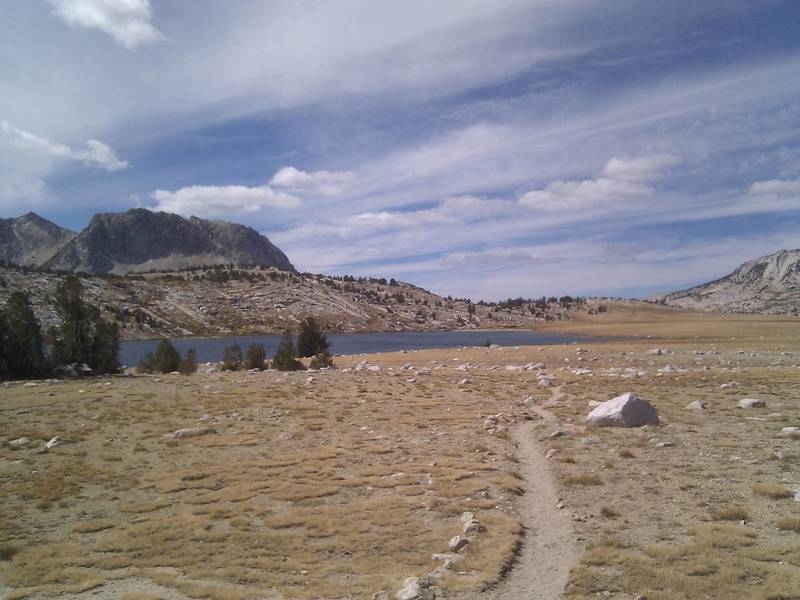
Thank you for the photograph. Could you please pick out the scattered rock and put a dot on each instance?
(696, 405)
(626, 410)
(53, 442)
(189, 432)
(458, 543)
(750, 403)
(792, 432)
(472, 526)
(556, 434)
(19, 442)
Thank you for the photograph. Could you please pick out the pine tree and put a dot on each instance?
(284, 355)
(23, 349)
(166, 358)
(104, 357)
(232, 358)
(311, 340)
(255, 356)
(74, 343)
(189, 363)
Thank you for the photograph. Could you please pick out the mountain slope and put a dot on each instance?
(30, 240)
(141, 240)
(766, 285)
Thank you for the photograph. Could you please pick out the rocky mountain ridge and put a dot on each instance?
(30, 240)
(134, 241)
(766, 285)
(141, 240)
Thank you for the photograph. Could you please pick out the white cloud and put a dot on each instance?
(325, 183)
(211, 200)
(622, 182)
(645, 168)
(775, 187)
(96, 154)
(127, 21)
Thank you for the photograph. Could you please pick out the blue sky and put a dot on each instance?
(477, 148)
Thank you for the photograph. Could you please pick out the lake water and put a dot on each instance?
(210, 349)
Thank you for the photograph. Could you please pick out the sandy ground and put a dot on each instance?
(342, 484)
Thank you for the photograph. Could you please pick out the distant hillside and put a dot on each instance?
(219, 301)
(30, 240)
(766, 285)
(141, 240)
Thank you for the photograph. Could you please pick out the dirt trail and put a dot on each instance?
(549, 549)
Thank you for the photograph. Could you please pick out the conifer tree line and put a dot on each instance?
(83, 337)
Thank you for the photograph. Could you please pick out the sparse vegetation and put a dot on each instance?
(729, 513)
(583, 479)
(311, 341)
(284, 359)
(770, 490)
(232, 358)
(789, 524)
(255, 357)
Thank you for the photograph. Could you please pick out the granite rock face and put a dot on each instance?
(30, 240)
(766, 285)
(141, 240)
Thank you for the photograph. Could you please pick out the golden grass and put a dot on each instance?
(729, 513)
(773, 491)
(789, 524)
(583, 479)
(356, 480)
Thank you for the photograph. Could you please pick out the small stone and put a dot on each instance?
(189, 432)
(751, 403)
(697, 405)
(458, 543)
(472, 526)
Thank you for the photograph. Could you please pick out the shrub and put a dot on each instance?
(311, 340)
(583, 479)
(255, 356)
(189, 363)
(771, 490)
(733, 513)
(321, 360)
(166, 358)
(284, 355)
(232, 358)
(789, 524)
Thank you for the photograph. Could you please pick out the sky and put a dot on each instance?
(484, 149)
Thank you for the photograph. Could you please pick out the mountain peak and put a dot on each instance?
(769, 284)
(31, 240)
(141, 240)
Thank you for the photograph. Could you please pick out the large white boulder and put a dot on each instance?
(626, 410)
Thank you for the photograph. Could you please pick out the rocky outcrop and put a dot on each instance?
(141, 240)
(626, 410)
(766, 285)
(30, 240)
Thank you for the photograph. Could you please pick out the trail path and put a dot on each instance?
(549, 549)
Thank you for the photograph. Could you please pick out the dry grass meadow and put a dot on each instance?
(345, 484)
